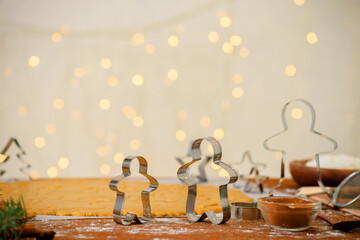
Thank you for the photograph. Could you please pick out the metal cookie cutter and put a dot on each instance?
(145, 194)
(283, 152)
(201, 178)
(245, 211)
(192, 186)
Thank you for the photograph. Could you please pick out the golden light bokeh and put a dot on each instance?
(225, 105)
(138, 80)
(63, 162)
(137, 39)
(182, 115)
(39, 142)
(135, 144)
(104, 104)
(173, 41)
(225, 21)
(237, 92)
(244, 52)
(105, 169)
(58, 103)
(65, 29)
(33, 61)
(79, 72)
(34, 174)
(219, 133)
(296, 113)
(312, 38)
(52, 172)
(228, 48)
(138, 121)
(235, 40)
(101, 151)
(74, 82)
(22, 110)
(237, 78)
(180, 135)
(8, 71)
(299, 2)
(50, 128)
(149, 48)
(56, 37)
(213, 37)
(173, 74)
(112, 81)
(3, 158)
(290, 70)
(180, 28)
(105, 63)
(119, 157)
(205, 121)
(129, 112)
(76, 114)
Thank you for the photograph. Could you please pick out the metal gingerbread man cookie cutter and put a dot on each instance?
(145, 194)
(283, 152)
(192, 186)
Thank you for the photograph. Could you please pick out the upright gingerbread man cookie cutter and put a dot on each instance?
(145, 194)
(192, 186)
(283, 152)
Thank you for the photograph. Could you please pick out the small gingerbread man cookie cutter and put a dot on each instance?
(283, 152)
(192, 186)
(145, 194)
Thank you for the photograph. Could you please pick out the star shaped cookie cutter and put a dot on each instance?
(145, 193)
(283, 152)
(202, 173)
(192, 186)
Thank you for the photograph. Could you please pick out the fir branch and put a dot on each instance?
(13, 217)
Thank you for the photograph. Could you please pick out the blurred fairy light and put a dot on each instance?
(105, 63)
(138, 121)
(101, 151)
(299, 2)
(22, 110)
(213, 37)
(219, 133)
(296, 113)
(225, 21)
(149, 48)
(173, 74)
(237, 78)
(226, 105)
(205, 121)
(111, 138)
(34, 174)
(244, 52)
(58, 103)
(173, 41)
(138, 80)
(39, 142)
(118, 157)
(79, 72)
(311, 38)
(129, 112)
(135, 144)
(76, 114)
(235, 40)
(180, 28)
(228, 48)
(237, 92)
(8, 71)
(100, 132)
(180, 135)
(52, 172)
(50, 128)
(63, 162)
(74, 82)
(56, 37)
(65, 29)
(105, 169)
(290, 70)
(137, 39)
(104, 104)
(33, 61)
(112, 81)
(182, 115)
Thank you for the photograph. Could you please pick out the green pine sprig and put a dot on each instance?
(13, 217)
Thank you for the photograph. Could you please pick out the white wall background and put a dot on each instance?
(327, 75)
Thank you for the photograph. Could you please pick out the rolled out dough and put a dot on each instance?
(92, 197)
